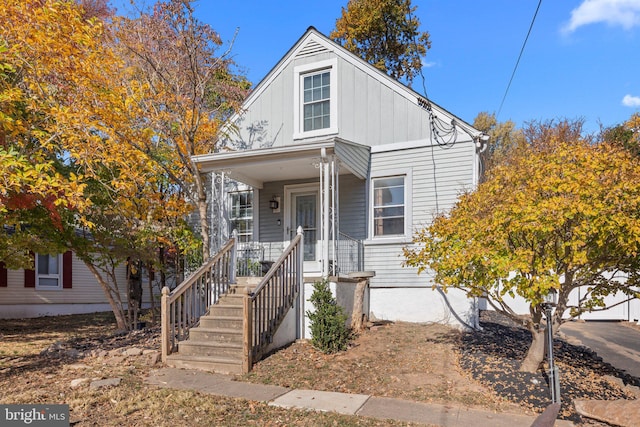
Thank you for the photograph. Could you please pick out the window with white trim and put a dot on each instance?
(315, 97)
(48, 271)
(241, 214)
(316, 101)
(389, 206)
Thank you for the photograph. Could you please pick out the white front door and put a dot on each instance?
(303, 210)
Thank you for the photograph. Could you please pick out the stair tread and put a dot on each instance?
(218, 330)
(209, 344)
(218, 317)
(212, 359)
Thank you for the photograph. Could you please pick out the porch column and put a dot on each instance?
(335, 229)
(324, 210)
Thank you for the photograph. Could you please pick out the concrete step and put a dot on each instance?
(210, 349)
(224, 322)
(231, 299)
(220, 335)
(245, 281)
(220, 365)
(225, 310)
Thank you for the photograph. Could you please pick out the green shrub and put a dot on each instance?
(329, 332)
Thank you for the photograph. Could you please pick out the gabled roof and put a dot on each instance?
(313, 42)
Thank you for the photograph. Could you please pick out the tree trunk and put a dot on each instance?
(116, 306)
(357, 323)
(151, 299)
(535, 355)
(201, 200)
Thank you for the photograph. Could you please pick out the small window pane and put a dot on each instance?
(47, 264)
(48, 281)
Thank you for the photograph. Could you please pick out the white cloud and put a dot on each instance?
(631, 101)
(624, 13)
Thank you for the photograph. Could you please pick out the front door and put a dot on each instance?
(303, 211)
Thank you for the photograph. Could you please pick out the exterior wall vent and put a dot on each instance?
(311, 48)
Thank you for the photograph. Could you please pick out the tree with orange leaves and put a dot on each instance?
(561, 213)
(180, 90)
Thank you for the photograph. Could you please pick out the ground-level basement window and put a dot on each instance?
(389, 206)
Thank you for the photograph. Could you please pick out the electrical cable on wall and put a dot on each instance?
(443, 133)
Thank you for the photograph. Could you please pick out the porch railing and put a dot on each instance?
(254, 256)
(183, 307)
(266, 307)
(350, 254)
(251, 257)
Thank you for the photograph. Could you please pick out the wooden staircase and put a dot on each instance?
(216, 344)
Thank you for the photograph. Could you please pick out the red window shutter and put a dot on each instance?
(67, 270)
(3, 276)
(30, 275)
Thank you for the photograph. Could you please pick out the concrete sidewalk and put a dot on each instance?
(343, 403)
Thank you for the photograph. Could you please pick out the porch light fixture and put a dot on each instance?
(550, 301)
(274, 203)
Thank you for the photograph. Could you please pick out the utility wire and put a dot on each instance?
(518, 61)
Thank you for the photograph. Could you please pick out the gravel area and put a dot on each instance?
(493, 355)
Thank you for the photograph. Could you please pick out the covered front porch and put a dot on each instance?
(319, 186)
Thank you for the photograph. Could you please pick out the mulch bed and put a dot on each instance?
(492, 356)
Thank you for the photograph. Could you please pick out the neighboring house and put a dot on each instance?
(358, 160)
(59, 284)
(620, 308)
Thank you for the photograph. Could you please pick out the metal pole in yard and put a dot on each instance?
(554, 377)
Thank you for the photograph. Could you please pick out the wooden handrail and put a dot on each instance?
(182, 308)
(266, 307)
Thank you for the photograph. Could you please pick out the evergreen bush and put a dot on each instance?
(329, 332)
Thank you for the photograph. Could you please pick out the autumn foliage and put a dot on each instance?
(384, 33)
(559, 215)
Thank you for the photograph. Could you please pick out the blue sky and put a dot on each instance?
(582, 59)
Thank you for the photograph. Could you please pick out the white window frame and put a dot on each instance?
(250, 235)
(406, 237)
(299, 73)
(58, 276)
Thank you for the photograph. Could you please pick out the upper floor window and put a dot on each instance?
(241, 214)
(316, 103)
(315, 96)
(48, 271)
(389, 206)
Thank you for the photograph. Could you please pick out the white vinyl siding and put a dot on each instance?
(86, 289)
(438, 176)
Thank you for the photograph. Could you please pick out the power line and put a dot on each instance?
(519, 56)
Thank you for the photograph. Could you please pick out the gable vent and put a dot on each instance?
(311, 48)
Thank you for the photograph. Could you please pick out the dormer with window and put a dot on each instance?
(315, 97)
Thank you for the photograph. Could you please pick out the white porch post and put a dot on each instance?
(335, 229)
(324, 210)
(300, 283)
